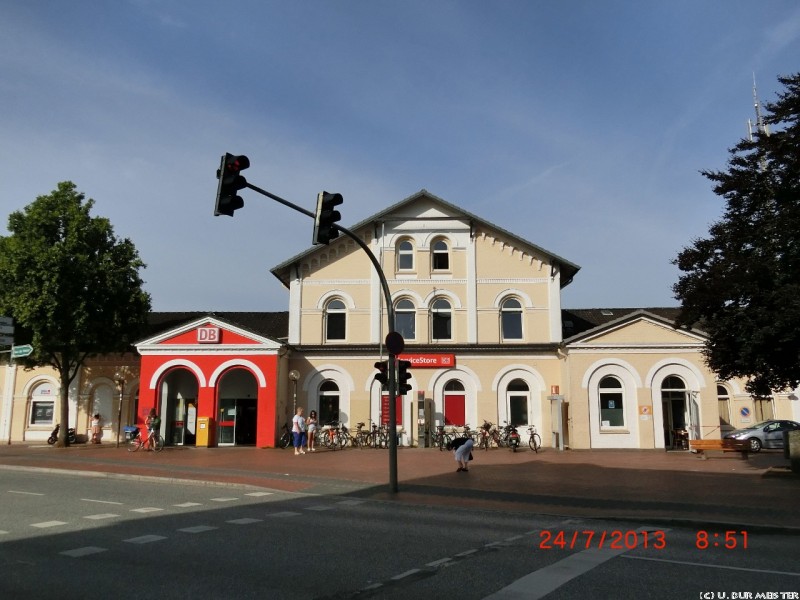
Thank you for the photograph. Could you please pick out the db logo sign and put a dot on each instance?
(208, 335)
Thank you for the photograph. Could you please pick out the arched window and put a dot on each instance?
(43, 403)
(724, 406)
(518, 394)
(612, 413)
(405, 256)
(328, 402)
(405, 317)
(335, 320)
(440, 257)
(511, 319)
(441, 320)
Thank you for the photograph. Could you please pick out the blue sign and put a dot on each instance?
(744, 411)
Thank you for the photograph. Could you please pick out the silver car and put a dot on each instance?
(767, 434)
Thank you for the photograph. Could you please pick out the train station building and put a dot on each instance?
(480, 311)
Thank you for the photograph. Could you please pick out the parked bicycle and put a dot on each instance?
(441, 438)
(154, 441)
(286, 437)
(534, 441)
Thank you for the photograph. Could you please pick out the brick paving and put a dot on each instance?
(671, 487)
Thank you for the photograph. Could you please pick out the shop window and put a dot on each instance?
(441, 320)
(405, 256)
(335, 320)
(405, 317)
(511, 319)
(518, 394)
(612, 413)
(440, 258)
(328, 402)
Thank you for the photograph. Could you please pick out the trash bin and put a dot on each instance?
(205, 432)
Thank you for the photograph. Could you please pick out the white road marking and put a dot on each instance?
(466, 553)
(540, 583)
(406, 574)
(259, 494)
(45, 524)
(286, 513)
(245, 521)
(441, 561)
(198, 529)
(222, 499)
(101, 501)
(25, 493)
(710, 566)
(188, 504)
(146, 509)
(85, 551)
(145, 539)
(101, 516)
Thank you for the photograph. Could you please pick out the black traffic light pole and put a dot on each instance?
(390, 314)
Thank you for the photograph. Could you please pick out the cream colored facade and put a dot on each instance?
(467, 292)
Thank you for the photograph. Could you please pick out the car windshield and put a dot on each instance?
(758, 425)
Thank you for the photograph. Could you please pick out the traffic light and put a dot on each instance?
(403, 376)
(230, 182)
(383, 372)
(325, 218)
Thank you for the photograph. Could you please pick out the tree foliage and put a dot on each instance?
(70, 284)
(742, 282)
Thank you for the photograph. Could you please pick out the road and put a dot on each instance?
(63, 536)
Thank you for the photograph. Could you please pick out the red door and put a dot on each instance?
(455, 410)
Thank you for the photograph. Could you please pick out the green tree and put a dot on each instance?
(71, 284)
(742, 283)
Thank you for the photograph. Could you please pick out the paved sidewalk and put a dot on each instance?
(668, 487)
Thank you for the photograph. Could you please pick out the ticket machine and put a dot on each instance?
(425, 425)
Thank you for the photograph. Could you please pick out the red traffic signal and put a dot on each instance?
(230, 182)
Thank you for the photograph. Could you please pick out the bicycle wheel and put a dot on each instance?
(135, 443)
(158, 443)
(286, 440)
(535, 442)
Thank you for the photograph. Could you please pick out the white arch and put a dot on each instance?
(238, 362)
(526, 299)
(691, 373)
(472, 385)
(348, 299)
(536, 386)
(405, 293)
(439, 293)
(619, 437)
(178, 362)
(330, 371)
(38, 380)
(590, 373)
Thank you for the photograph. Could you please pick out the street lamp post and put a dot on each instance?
(121, 385)
(294, 375)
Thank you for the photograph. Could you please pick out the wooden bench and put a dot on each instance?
(727, 445)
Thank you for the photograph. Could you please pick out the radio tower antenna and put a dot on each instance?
(762, 127)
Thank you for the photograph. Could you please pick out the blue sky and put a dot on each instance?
(581, 126)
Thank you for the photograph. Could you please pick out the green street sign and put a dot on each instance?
(21, 351)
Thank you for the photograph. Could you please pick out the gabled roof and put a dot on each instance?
(568, 269)
(580, 323)
(272, 325)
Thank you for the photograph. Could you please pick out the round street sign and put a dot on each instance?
(395, 342)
